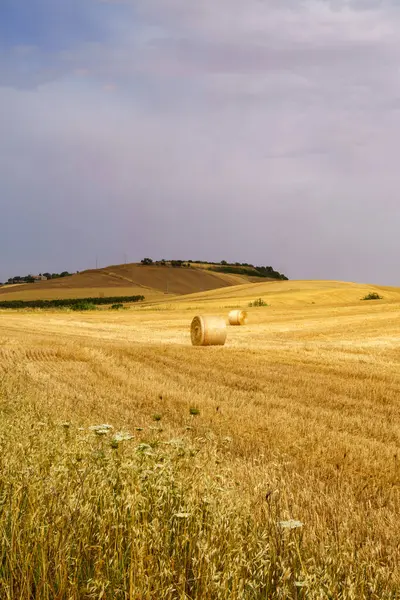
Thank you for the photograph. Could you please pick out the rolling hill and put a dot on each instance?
(152, 281)
(290, 294)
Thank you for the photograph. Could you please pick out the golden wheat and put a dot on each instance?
(267, 468)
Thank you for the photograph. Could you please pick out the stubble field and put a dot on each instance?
(267, 468)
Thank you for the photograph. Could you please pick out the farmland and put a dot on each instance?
(266, 468)
(125, 280)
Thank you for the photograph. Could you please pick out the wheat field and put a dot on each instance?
(264, 469)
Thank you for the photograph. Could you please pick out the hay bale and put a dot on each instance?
(208, 331)
(237, 317)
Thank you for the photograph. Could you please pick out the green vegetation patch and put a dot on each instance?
(84, 306)
(74, 303)
(372, 296)
(258, 302)
(221, 267)
(264, 272)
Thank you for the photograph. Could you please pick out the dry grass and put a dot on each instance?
(291, 293)
(296, 417)
(151, 281)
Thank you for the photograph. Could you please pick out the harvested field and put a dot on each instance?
(151, 281)
(28, 292)
(266, 468)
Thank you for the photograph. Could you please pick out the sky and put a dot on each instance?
(260, 131)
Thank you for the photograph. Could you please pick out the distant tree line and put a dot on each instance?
(33, 278)
(68, 302)
(56, 275)
(251, 270)
(164, 263)
(223, 267)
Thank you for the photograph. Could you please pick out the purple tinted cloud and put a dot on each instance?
(261, 131)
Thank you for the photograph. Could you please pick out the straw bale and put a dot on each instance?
(237, 317)
(208, 331)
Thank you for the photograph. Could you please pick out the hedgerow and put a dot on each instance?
(68, 302)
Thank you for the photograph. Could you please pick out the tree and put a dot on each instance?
(146, 261)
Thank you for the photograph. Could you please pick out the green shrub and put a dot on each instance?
(372, 296)
(249, 270)
(69, 302)
(258, 302)
(84, 306)
(117, 306)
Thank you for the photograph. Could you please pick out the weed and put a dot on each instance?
(372, 296)
(84, 306)
(258, 302)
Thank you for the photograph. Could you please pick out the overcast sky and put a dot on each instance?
(263, 131)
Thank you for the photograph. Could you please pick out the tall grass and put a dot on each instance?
(200, 503)
(85, 516)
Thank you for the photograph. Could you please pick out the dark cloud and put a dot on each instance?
(237, 130)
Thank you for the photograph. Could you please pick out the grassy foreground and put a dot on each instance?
(267, 468)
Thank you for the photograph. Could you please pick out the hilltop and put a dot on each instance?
(153, 280)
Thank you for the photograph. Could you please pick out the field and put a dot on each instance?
(124, 280)
(264, 469)
(25, 294)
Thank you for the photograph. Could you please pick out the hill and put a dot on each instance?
(292, 293)
(152, 281)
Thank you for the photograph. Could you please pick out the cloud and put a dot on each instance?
(250, 130)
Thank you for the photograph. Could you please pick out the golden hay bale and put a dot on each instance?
(208, 331)
(237, 317)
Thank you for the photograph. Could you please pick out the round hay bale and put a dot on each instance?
(208, 331)
(237, 317)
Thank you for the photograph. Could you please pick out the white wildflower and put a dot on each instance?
(101, 429)
(290, 524)
(122, 436)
